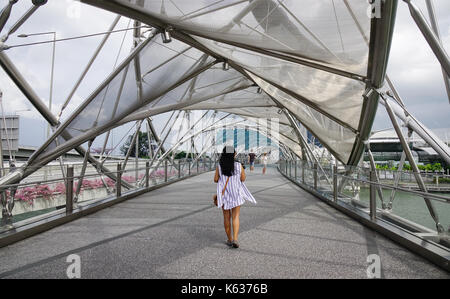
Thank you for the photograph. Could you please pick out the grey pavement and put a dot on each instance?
(176, 232)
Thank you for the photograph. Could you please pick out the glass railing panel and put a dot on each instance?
(31, 200)
(412, 207)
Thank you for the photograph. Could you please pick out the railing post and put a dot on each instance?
(69, 189)
(197, 166)
(303, 172)
(335, 184)
(119, 181)
(315, 176)
(189, 167)
(210, 164)
(179, 168)
(165, 171)
(147, 174)
(295, 170)
(6, 216)
(373, 197)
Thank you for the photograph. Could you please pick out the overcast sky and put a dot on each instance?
(413, 67)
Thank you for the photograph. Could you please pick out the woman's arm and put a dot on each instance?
(243, 176)
(216, 175)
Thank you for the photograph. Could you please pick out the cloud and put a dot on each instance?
(415, 70)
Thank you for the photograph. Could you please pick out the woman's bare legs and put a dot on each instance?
(264, 170)
(235, 215)
(227, 223)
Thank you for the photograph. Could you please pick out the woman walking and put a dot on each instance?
(231, 192)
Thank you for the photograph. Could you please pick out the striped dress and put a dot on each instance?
(236, 192)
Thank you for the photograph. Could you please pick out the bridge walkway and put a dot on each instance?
(176, 232)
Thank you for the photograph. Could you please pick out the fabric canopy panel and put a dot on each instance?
(212, 82)
(239, 99)
(338, 139)
(333, 95)
(259, 112)
(321, 30)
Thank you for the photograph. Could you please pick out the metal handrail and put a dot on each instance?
(439, 198)
(180, 169)
(285, 167)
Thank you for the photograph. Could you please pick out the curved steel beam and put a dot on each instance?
(382, 30)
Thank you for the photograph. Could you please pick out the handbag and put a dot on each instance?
(223, 192)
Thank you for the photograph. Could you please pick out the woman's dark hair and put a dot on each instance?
(227, 160)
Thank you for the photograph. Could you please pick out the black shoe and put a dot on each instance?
(235, 244)
(229, 243)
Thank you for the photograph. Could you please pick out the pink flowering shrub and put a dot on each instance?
(110, 182)
(27, 194)
(91, 184)
(43, 191)
(128, 178)
(160, 173)
(60, 188)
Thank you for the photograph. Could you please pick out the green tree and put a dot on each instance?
(180, 155)
(436, 167)
(143, 146)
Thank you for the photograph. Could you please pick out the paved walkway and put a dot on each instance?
(175, 232)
